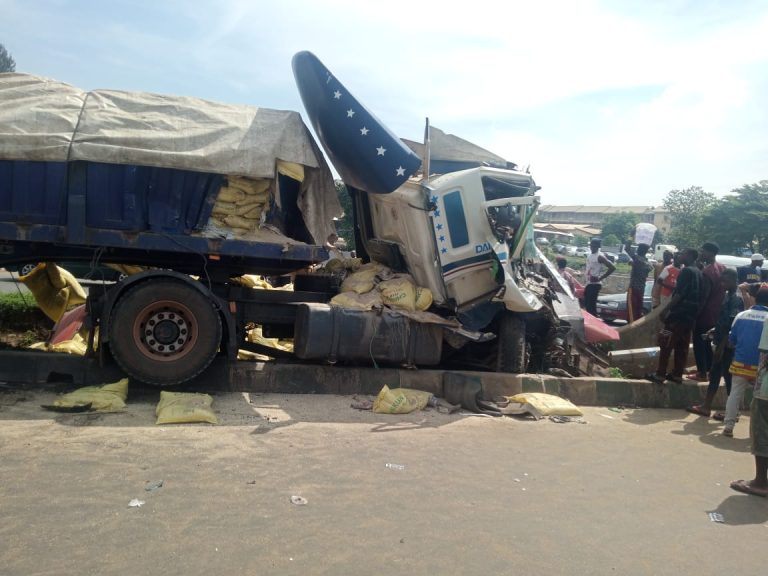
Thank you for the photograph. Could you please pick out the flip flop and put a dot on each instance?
(696, 409)
(745, 487)
(720, 416)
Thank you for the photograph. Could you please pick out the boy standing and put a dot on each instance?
(759, 427)
(745, 339)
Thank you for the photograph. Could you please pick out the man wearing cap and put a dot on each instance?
(754, 272)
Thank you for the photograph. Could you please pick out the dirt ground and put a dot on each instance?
(626, 493)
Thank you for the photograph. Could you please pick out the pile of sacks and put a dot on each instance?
(240, 204)
(373, 285)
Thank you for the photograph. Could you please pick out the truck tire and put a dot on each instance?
(512, 353)
(164, 332)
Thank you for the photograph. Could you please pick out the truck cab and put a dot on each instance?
(458, 234)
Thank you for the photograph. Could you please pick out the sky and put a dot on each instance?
(609, 102)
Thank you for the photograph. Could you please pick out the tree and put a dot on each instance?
(7, 63)
(620, 225)
(345, 227)
(581, 241)
(611, 240)
(686, 208)
(738, 221)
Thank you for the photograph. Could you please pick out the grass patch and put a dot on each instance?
(20, 312)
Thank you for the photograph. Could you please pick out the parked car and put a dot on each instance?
(623, 258)
(80, 270)
(570, 250)
(612, 307)
(611, 256)
(582, 251)
(558, 248)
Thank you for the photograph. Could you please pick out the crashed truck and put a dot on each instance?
(195, 195)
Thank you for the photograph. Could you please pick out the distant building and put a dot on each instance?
(584, 220)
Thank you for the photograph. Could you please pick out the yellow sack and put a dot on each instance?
(227, 194)
(361, 281)
(127, 269)
(400, 400)
(398, 293)
(240, 222)
(252, 187)
(355, 301)
(423, 298)
(106, 398)
(248, 355)
(253, 281)
(291, 169)
(334, 265)
(547, 404)
(256, 336)
(54, 289)
(77, 345)
(184, 408)
(224, 208)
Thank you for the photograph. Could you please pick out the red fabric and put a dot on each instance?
(69, 325)
(596, 330)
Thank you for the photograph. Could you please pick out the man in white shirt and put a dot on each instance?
(598, 269)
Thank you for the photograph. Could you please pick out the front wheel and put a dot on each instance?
(164, 332)
(512, 349)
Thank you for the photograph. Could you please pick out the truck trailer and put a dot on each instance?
(199, 193)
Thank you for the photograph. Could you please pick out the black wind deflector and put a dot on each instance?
(364, 151)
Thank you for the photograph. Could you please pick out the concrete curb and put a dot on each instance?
(32, 367)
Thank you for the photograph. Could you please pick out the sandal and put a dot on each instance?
(745, 487)
(720, 416)
(727, 432)
(696, 409)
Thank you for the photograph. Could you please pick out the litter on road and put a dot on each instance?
(136, 503)
(298, 501)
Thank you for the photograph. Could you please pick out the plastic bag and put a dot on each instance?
(400, 400)
(547, 404)
(184, 408)
(106, 398)
(399, 293)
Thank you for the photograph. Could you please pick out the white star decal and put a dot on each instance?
(364, 131)
(400, 171)
(350, 113)
(337, 94)
(380, 150)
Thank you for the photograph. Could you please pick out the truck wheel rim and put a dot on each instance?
(165, 331)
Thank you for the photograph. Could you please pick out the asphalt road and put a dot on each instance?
(627, 493)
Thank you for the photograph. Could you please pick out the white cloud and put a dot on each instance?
(503, 74)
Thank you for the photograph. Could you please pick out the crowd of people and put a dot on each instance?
(724, 311)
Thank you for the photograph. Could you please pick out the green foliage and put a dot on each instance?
(686, 209)
(17, 310)
(7, 63)
(620, 225)
(611, 240)
(738, 221)
(614, 372)
(345, 227)
(581, 241)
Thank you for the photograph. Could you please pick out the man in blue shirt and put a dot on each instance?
(759, 427)
(745, 339)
